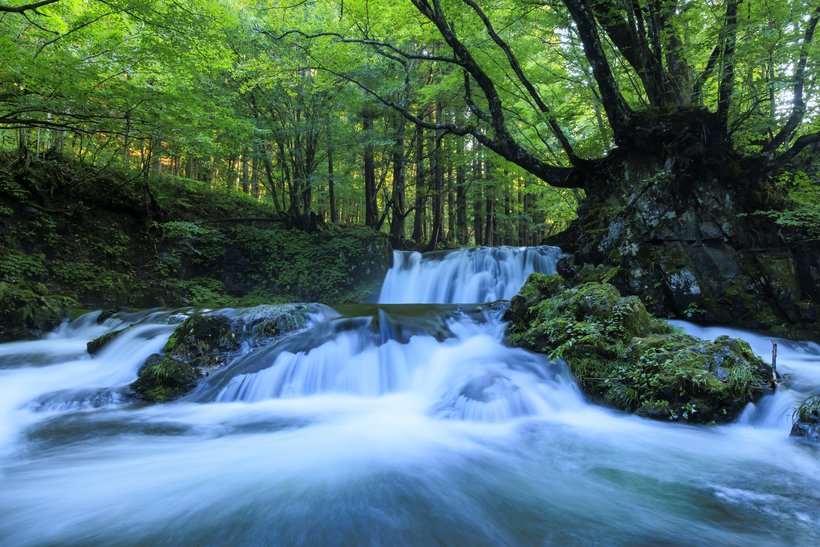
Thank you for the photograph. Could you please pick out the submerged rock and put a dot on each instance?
(206, 342)
(806, 419)
(627, 359)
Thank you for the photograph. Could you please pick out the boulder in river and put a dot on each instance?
(806, 419)
(205, 342)
(626, 359)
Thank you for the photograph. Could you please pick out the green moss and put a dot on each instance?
(164, 378)
(96, 345)
(627, 359)
(806, 419)
(202, 340)
(28, 309)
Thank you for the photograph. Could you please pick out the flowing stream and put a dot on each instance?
(389, 423)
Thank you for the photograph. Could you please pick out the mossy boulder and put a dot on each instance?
(713, 241)
(198, 346)
(204, 343)
(806, 419)
(269, 321)
(625, 358)
(163, 378)
(28, 310)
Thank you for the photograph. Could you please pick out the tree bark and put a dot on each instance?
(371, 215)
(617, 111)
(420, 202)
(331, 187)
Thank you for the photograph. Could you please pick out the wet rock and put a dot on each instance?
(107, 314)
(163, 378)
(701, 249)
(806, 420)
(96, 345)
(206, 342)
(625, 358)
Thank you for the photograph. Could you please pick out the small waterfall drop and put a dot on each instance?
(458, 370)
(464, 276)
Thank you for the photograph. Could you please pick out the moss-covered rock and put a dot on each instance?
(96, 345)
(627, 359)
(198, 346)
(28, 310)
(806, 419)
(713, 241)
(269, 321)
(163, 378)
(204, 343)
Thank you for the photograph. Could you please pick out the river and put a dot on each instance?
(406, 422)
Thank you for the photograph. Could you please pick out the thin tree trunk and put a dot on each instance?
(246, 181)
(371, 214)
(397, 225)
(418, 219)
(437, 169)
(331, 187)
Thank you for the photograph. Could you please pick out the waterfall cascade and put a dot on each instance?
(465, 276)
(385, 422)
(458, 370)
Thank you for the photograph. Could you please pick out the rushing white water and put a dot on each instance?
(464, 276)
(386, 424)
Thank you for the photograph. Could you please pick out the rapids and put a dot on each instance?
(390, 423)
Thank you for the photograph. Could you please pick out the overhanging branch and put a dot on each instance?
(33, 7)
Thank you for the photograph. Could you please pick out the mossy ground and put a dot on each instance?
(625, 358)
(74, 237)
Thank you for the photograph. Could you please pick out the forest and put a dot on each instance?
(442, 123)
(428, 272)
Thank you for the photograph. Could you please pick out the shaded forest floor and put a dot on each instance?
(72, 237)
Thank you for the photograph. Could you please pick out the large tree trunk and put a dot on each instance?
(672, 217)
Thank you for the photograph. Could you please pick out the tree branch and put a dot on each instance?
(799, 144)
(617, 111)
(519, 73)
(697, 87)
(726, 85)
(26, 7)
(798, 104)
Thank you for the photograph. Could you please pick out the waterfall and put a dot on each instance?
(458, 370)
(464, 276)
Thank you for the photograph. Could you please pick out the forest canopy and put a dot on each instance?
(440, 121)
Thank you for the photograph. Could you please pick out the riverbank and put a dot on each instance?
(72, 237)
